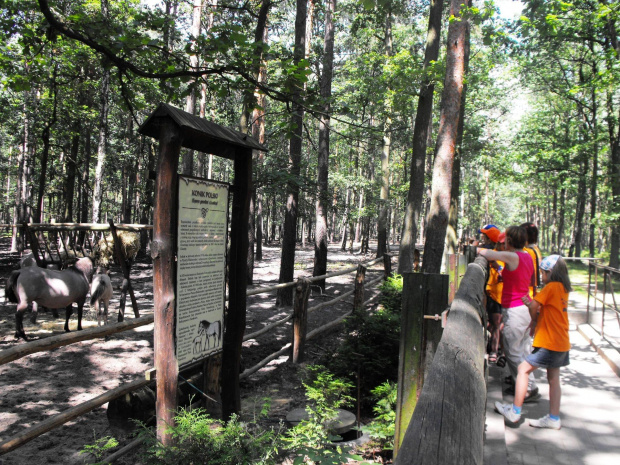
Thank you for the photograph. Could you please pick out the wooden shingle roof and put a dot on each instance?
(198, 133)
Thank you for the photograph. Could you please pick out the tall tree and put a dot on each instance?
(289, 235)
(320, 239)
(422, 127)
(446, 140)
(103, 129)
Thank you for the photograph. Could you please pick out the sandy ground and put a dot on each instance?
(41, 385)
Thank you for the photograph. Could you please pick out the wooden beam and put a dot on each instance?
(164, 276)
(68, 415)
(53, 342)
(237, 283)
(300, 319)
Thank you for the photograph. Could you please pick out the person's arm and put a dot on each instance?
(510, 259)
(534, 307)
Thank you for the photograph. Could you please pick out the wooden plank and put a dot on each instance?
(437, 287)
(410, 352)
(68, 415)
(164, 271)
(53, 342)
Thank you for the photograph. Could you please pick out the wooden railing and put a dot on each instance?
(447, 425)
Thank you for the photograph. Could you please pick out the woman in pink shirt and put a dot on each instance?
(517, 276)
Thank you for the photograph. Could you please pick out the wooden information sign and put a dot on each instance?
(201, 267)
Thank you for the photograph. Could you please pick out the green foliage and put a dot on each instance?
(201, 439)
(371, 345)
(311, 439)
(391, 293)
(383, 426)
(100, 447)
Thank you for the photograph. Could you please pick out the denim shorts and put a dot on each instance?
(545, 358)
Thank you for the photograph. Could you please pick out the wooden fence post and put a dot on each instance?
(300, 318)
(470, 252)
(164, 277)
(358, 296)
(387, 266)
(423, 294)
(122, 261)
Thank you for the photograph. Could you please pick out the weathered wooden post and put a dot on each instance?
(126, 286)
(423, 294)
(163, 253)
(358, 295)
(300, 318)
(387, 266)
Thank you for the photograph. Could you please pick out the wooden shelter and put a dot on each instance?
(175, 128)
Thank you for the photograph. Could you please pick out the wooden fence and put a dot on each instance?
(447, 425)
(300, 312)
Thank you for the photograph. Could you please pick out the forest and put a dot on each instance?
(404, 122)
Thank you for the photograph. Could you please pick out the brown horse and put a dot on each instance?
(49, 288)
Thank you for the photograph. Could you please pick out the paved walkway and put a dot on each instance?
(590, 409)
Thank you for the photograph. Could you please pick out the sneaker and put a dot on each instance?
(546, 422)
(532, 396)
(507, 412)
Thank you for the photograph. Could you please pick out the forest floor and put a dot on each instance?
(44, 384)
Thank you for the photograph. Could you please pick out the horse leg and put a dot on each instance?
(105, 311)
(80, 308)
(35, 308)
(19, 322)
(68, 313)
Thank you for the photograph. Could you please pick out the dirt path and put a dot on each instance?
(44, 384)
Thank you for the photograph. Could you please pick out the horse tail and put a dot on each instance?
(96, 293)
(9, 288)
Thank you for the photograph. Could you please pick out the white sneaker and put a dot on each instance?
(546, 422)
(507, 412)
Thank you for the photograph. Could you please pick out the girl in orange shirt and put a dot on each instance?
(551, 342)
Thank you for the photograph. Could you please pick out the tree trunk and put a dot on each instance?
(85, 176)
(320, 238)
(69, 186)
(446, 141)
(19, 215)
(45, 137)
(190, 100)
(382, 222)
(103, 133)
(421, 131)
(287, 261)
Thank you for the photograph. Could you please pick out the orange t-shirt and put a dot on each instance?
(495, 284)
(552, 326)
(536, 257)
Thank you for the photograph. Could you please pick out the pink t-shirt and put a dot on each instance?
(517, 282)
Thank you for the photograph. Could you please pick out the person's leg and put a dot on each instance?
(521, 386)
(496, 323)
(555, 391)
